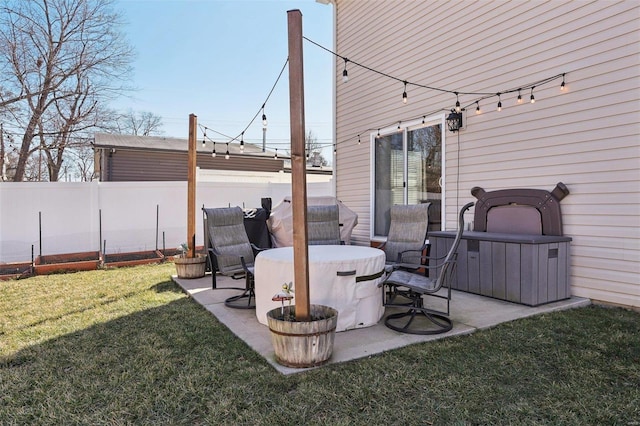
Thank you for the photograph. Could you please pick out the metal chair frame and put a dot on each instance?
(406, 283)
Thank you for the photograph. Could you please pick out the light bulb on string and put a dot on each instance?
(264, 118)
(499, 103)
(399, 128)
(226, 155)
(457, 102)
(359, 140)
(519, 96)
(378, 135)
(533, 100)
(404, 94)
(204, 137)
(345, 74)
(478, 107)
(275, 156)
(423, 122)
(242, 142)
(562, 85)
(335, 148)
(213, 154)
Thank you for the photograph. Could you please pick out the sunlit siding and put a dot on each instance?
(587, 137)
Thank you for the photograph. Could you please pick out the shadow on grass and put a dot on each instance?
(163, 364)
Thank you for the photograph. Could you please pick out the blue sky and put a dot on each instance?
(219, 59)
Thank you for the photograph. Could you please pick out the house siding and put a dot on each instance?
(587, 136)
(147, 165)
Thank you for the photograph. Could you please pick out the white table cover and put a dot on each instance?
(359, 304)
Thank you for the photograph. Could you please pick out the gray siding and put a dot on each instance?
(138, 165)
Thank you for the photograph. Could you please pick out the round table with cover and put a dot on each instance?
(343, 277)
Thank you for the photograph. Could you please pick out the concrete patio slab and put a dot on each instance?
(469, 312)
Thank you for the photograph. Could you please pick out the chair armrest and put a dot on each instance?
(381, 246)
(257, 249)
(244, 265)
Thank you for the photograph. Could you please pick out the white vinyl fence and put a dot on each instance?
(70, 217)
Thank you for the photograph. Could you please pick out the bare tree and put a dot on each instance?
(314, 150)
(139, 123)
(66, 58)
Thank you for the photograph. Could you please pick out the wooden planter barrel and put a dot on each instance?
(302, 344)
(190, 267)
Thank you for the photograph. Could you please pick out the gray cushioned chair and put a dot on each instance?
(405, 283)
(323, 225)
(229, 251)
(407, 233)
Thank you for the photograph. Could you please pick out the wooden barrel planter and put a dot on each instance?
(302, 344)
(190, 267)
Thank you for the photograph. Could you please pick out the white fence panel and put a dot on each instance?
(132, 216)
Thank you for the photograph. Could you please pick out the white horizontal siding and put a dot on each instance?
(587, 137)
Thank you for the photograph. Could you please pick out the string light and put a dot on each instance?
(275, 156)
(404, 94)
(399, 128)
(335, 148)
(533, 100)
(226, 155)
(213, 154)
(423, 118)
(458, 106)
(204, 137)
(345, 74)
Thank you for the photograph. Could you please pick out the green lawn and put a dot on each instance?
(126, 346)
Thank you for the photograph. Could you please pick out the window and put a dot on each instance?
(407, 169)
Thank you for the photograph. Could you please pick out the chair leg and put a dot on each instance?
(237, 302)
(437, 323)
(442, 323)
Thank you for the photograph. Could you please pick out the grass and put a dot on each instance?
(126, 346)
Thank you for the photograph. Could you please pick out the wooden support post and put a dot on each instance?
(298, 167)
(191, 186)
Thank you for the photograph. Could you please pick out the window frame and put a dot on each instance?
(436, 119)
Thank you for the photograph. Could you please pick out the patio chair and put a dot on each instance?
(406, 283)
(407, 234)
(229, 252)
(323, 225)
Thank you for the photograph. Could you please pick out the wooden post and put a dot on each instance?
(298, 167)
(191, 186)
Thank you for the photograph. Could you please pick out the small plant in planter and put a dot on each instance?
(189, 267)
(285, 295)
(301, 344)
(183, 249)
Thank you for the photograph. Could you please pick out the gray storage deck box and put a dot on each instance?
(516, 251)
(520, 268)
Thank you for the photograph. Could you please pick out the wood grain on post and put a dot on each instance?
(298, 166)
(191, 186)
